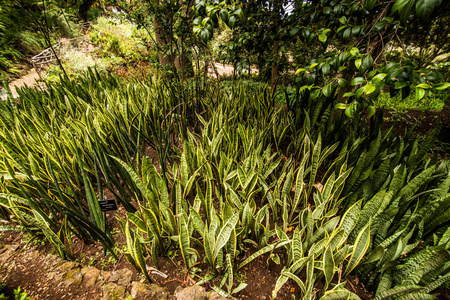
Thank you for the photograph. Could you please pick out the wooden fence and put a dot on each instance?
(42, 61)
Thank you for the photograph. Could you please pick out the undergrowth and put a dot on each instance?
(236, 177)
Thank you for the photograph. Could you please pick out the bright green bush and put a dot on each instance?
(122, 39)
(432, 102)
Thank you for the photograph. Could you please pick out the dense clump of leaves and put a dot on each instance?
(328, 197)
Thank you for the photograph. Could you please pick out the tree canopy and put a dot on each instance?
(350, 38)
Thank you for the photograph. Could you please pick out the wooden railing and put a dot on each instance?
(42, 61)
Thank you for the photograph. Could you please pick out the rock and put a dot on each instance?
(6, 254)
(194, 292)
(112, 291)
(54, 275)
(53, 261)
(73, 276)
(69, 265)
(122, 277)
(216, 296)
(106, 275)
(143, 291)
(90, 275)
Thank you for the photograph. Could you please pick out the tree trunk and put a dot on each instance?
(183, 62)
(444, 135)
(163, 59)
(276, 45)
(84, 8)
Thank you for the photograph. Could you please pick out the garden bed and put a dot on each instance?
(251, 201)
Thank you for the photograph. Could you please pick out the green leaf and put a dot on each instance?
(266, 249)
(370, 3)
(137, 181)
(297, 250)
(296, 279)
(378, 78)
(225, 232)
(279, 284)
(348, 94)
(294, 31)
(342, 82)
(371, 110)
(327, 90)
(300, 71)
(350, 218)
(434, 76)
(361, 245)
(424, 8)
(326, 69)
(400, 84)
(398, 290)
(197, 221)
(437, 283)
(346, 33)
(151, 221)
(240, 13)
(341, 106)
(206, 35)
(354, 52)
(423, 86)
(399, 5)
(323, 38)
(239, 288)
(369, 89)
(223, 13)
(137, 221)
(328, 265)
(184, 241)
(350, 110)
(367, 63)
(420, 93)
(442, 86)
(339, 295)
(231, 21)
(357, 80)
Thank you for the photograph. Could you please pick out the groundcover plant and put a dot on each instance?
(321, 193)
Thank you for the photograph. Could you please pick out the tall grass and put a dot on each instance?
(331, 195)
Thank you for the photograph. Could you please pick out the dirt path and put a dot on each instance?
(224, 69)
(32, 77)
(29, 80)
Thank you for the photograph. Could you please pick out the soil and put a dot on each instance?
(425, 121)
(31, 274)
(29, 79)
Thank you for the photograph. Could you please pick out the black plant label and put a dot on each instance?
(108, 204)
